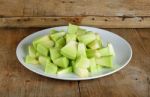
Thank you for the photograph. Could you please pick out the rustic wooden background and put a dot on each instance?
(100, 13)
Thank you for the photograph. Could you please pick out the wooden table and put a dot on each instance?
(131, 81)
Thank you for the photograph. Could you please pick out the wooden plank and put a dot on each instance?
(102, 22)
(17, 81)
(132, 81)
(74, 7)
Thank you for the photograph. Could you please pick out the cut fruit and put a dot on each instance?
(92, 53)
(81, 31)
(82, 62)
(56, 36)
(72, 28)
(51, 68)
(42, 50)
(62, 62)
(66, 70)
(106, 61)
(44, 60)
(70, 50)
(94, 45)
(31, 60)
(107, 51)
(87, 38)
(93, 66)
(55, 53)
(70, 37)
(60, 42)
(53, 31)
(32, 51)
(98, 38)
(81, 50)
(82, 72)
(48, 44)
(40, 40)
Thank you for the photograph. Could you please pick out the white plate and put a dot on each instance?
(122, 48)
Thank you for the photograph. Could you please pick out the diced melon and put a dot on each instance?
(32, 51)
(48, 44)
(87, 38)
(31, 60)
(106, 61)
(70, 50)
(94, 45)
(61, 62)
(70, 37)
(60, 42)
(81, 72)
(81, 31)
(93, 66)
(82, 62)
(72, 28)
(42, 50)
(107, 51)
(53, 31)
(98, 38)
(40, 40)
(51, 68)
(92, 53)
(56, 36)
(44, 60)
(54, 53)
(64, 71)
(81, 50)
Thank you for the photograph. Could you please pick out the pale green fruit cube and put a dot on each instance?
(82, 62)
(54, 53)
(106, 61)
(62, 62)
(40, 40)
(72, 28)
(56, 36)
(81, 31)
(81, 50)
(44, 60)
(92, 53)
(70, 50)
(60, 42)
(107, 51)
(42, 49)
(87, 38)
(81, 72)
(51, 68)
(31, 60)
(65, 71)
(32, 51)
(93, 66)
(94, 45)
(70, 37)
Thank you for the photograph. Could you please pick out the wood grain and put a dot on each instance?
(74, 7)
(132, 81)
(96, 21)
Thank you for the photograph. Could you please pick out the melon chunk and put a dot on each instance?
(62, 62)
(32, 51)
(87, 38)
(31, 60)
(60, 42)
(64, 71)
(81, 50)
(54, 53)
(93, 66)
(81, 72)
(70, 37)
(92, 53)
(70, 50)
(106, 61)
(44, 60)
(94, 45)
(56, 36)
(51, 68)
(42, 49)
(72, 28)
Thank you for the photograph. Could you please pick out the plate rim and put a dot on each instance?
(76, 79)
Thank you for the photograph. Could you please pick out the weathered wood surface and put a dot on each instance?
(100, 13)
(131, 81)
(102, 22)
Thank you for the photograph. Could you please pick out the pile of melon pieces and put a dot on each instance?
(76, 51)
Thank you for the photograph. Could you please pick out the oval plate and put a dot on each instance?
(122, 49)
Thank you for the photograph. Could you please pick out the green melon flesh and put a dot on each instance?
(65, 71)
(60, 42)
(42, 49)
(106, 61)
(72, 28)
(81, 50)
(93, 66)
(31, 60)
(70, 37)
(44, 60)
(70, 50)
(51, 68)
(56, 36)
(62, 62)
(54, 53)
(92, 53)
(32, 51)
(87, 38)
(94, 45)
(81, 72)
